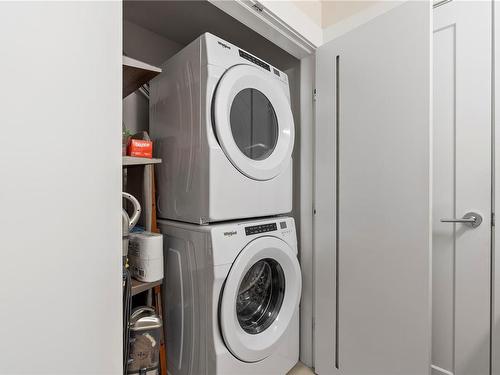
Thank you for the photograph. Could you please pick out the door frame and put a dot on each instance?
(287, 27)
(495, 264)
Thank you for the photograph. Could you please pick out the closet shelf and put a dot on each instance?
(135, 74)
(132, 160)
(139, 286)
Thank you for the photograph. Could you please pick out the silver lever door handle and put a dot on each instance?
(471, 219)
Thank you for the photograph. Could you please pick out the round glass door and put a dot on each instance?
(253, 121)
(254, 124)
(260, 296)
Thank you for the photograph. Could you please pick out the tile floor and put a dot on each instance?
(300, 369)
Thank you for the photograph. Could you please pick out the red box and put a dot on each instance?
(140, 148)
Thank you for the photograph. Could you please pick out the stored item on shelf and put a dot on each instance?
(129, 222)
(140, 145)
(145, 255)
(145, 334)
(125, 138)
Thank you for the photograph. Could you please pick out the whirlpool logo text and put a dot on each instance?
(224, 45)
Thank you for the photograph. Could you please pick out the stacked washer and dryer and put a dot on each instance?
(222, 123)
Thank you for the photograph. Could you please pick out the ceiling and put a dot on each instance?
(326, 13)
(333, 12)
(184, 21)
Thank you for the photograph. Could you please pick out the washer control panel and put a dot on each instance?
(262, 228)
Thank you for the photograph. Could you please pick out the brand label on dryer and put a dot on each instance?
(224, 45)
(231, 233)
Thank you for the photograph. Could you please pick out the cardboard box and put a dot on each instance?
(140, 148)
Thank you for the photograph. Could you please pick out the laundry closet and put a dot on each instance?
(224, 118)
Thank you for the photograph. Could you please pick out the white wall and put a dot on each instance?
(146, 45)
(325, 13)
(297, 18)
(60, 184)
(340, 17)
(333, 12)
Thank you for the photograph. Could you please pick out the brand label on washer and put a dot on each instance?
(229, 234)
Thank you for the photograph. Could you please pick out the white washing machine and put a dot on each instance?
(222, 123)
(231, 297)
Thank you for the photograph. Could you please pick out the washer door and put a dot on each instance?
(253, 122)
(260, 297)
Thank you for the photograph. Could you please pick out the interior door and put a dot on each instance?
(372, 198)
(461, 184)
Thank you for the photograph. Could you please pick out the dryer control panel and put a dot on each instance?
(256, 61)
(223, 54)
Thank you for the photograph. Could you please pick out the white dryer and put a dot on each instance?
(222, 123)
(231, 297)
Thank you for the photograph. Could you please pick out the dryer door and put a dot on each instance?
(253, 122)
(260, 297)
